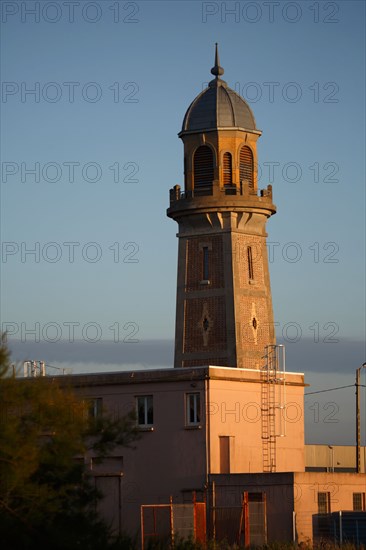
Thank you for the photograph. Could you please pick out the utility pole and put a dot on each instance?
(358, 419)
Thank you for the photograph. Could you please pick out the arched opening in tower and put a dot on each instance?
(203, 171)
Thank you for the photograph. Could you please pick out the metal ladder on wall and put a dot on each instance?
(272, 403)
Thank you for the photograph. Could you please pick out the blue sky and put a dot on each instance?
(112, 82)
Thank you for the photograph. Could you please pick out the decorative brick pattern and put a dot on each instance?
(200, 336)
(254, 323)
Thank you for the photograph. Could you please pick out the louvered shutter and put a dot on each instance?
(246, 166)
(203, 168)
(227, 169)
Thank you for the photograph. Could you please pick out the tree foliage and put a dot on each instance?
(47, 499)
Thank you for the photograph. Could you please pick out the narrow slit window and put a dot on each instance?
(250, 263)
(205, 263)
(193, 409)
(145, 411)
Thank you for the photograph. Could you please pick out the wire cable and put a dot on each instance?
(332, 389)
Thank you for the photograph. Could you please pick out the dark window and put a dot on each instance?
(246, 168)
(203, 170)
(145, 412)
(323, 503)
(227, 169)
(256, 497)
(205, 271)
(94, 407)
(193, 409)
(358, 502)
(250, 263)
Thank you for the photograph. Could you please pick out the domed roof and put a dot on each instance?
(218, 106)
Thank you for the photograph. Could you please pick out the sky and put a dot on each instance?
(93, 97)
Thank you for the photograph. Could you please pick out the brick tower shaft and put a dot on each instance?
(224, 305)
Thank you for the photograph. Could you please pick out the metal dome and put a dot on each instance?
(218, 106)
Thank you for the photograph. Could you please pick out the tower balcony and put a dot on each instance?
(216, 198)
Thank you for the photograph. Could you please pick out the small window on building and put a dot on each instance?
(359, 502)
(323, 503)
(93, 407)
(145, 411)
(250, 263)
(193, 409)
(205, 270)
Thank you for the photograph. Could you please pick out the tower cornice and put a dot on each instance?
(220, 129)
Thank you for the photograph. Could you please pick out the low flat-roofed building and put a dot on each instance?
(206, 431)
(337, 458)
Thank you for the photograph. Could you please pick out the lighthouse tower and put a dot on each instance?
(224, 306)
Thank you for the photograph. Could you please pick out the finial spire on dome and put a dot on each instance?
(217, 70)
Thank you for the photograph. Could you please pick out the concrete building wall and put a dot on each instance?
(337, 457)
(236, 403)
(169, 459)
(173, 457)
(339, 488)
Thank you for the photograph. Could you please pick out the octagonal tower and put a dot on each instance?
(224, 306)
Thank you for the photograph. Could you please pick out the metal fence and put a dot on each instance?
(243, 525)
(340, 527)
(257, 523)
(227, 524)
(167, 522)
